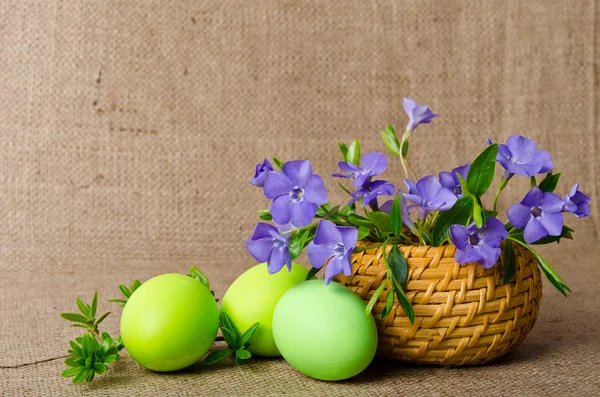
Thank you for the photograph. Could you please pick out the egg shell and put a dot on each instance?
(323, 330)
(252, 298)
(169, 322)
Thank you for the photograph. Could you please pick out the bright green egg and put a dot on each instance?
(252, 298)
(323, 330)
(169, 322)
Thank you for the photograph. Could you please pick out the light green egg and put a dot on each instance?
(252, 298)
(169, 323)
(323, 330)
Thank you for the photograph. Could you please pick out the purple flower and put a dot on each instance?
(418, 114)
(333, 243)
(577, 203)
(267, 245)
(521, 156)
(404, 209)
(296, 193)
(260, 173)
(475, 244)
(371, 190)
(371, 164)
(450, 180)
(540, 213)
(429, 194)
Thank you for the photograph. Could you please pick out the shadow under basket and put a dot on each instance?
(464, 315)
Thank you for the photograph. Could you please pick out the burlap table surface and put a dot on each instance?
(129, 129)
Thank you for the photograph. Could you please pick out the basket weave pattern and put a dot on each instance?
(463, 313)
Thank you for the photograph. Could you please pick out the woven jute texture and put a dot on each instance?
(464, 314)
(129, 130)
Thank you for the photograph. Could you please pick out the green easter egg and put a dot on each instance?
(169, 322)
(252, 298)
(323, 330)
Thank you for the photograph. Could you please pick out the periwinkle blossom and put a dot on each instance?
(521, 156)
(450, 180)
(334, 244)
(371, 164)
(260, 174)
(268, 245)
(296, 193)
(577, 203)
(417, 114)
(369, 193)
(429, 194)
(475, 244)
(539, 213)
(404, 210)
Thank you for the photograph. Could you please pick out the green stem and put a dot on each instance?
(312, 225)
(503, 184)
(403, 160)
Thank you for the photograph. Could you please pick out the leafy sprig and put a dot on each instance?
(238, 343)
(127, 292)
(86, 319)
(196, 274)
(89, 358)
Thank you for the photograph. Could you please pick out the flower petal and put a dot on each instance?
(281, 209)
(263, 230)
(347, 264)
(533, 198)
(315, 191)
(489, 255)
(349, 167)
(334, 267)
(467, 255)
(374, 163)
(349, 236)
(447, 180)
(338, 175)
(276, 184)
(551, 203)
(411, 186)
(460, 236)
(493, 232)
(518, 215)
(387, 207)
(260, 249)
(318, 254)
(360, 181)
(534, 230)
(302, 213)
(443, 200)
(299, 171)
(327, 233)
(278, 258)
(525, 169)
(544, 160)
(428, 186)
(522, 149)
(552, 222)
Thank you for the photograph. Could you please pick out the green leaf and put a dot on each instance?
(426, 237)
(84, 309)
(463, 186)
(481, 173)
(229, 331)
(249, 332)
(278, 163)
(71, 371)
(363, 232)
(405, 149)
(110, 358)
(125, 291)
(532, 182)
(242, 354)
(78, 318)
(102, 317)
(396, 216)
(398, 266)
(509, 262)
(74, 362)
(391, 140)
(76, 348)
(548, 184)
(353, 155)
(136, 284)
(195, 273)
(389, 303)
(459, 214)
(265, 215)
(216, 356)
(381, 220)
(82, 375)
(80, 326)
(91, 374)
(100, 368)
(370, 247)
(94, 305)
(405, 303)
(477, 214)
(375, 297)
(123, 301)
(566, 233)
(312, 272)
(344, 150)
(358, 220)
(298, 242)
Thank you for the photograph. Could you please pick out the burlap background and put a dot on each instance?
(128, 130)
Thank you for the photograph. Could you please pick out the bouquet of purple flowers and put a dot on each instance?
(432, 210)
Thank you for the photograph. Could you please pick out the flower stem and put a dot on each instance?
(503, 184)
(312, 225)
(403, 158)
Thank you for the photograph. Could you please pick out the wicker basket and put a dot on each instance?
(463, 313)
